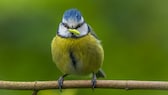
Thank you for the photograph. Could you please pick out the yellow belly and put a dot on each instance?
(87, 52)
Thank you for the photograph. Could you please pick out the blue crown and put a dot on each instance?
(72, 14)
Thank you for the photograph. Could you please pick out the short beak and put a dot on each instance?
(74, 31)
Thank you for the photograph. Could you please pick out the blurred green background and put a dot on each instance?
(134, 35)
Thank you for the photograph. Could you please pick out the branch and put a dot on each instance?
(115, 84)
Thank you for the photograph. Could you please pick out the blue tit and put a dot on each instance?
(76, 49)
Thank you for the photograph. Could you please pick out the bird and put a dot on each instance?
(76, 48)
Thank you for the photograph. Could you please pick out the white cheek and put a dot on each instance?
(83, 30)
(63, 31)
(62, 28)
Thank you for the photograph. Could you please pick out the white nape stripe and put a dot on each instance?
(82, 20)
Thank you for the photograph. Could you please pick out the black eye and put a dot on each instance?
(79, 25)
(65, 25)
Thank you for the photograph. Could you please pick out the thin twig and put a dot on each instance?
(112, 84)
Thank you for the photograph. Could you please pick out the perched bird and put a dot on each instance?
(76, 48)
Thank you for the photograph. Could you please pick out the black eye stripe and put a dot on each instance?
(79, 25)
(66, 25)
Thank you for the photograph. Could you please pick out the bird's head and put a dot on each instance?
(72, 24)
(72, 18)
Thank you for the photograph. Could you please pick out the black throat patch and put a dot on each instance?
(73, 59)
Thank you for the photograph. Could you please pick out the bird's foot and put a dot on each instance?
(60, 82)
(93, 81)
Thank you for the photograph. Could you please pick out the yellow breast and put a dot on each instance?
(77, 55)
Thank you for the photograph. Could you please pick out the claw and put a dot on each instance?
(60, 82)
(93, 81)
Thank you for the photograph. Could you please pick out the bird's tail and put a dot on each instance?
(100, 74)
